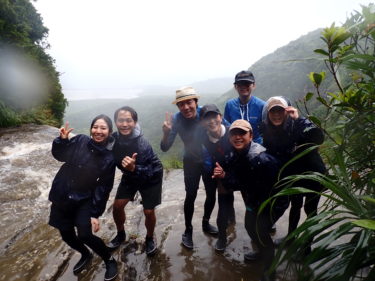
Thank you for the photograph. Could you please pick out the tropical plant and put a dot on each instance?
(343, 233)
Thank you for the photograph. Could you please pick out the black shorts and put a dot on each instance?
(70, 214)
(151, 195)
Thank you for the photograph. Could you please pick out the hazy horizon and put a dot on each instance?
(130, 46)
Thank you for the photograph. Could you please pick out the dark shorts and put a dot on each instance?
(151, 195)
(70, 214)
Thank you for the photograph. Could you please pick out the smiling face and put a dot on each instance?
(244, 89)
(125, 123)
(188, 108)
(212, 123)
(100, 131)
(240, 139)
(277, 115)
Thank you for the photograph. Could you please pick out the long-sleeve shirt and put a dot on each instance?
(252, 112)
(186, 129)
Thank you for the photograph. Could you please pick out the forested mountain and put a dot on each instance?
(30, 90)
(285, 71)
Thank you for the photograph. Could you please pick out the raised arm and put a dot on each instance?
(169, 132)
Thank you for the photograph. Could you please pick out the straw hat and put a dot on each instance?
(185, 93)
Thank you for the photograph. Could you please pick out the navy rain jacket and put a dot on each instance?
(148, 169)
(88, 172)
(291, 138)
(254, 172)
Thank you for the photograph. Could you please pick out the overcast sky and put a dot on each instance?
(119, 44)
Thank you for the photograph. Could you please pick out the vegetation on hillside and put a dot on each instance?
(25, 97)
(152, 108)
(343, 233)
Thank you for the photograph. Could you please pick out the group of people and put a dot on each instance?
(242, 150)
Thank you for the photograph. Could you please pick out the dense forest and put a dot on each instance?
(30, 91)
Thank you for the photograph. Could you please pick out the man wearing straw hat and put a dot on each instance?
(185, 123)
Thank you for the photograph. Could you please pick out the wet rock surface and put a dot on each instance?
(32, 250)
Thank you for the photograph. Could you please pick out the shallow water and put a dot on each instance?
(32, 250)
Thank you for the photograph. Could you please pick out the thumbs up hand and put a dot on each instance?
(218, 173)
(129, 162)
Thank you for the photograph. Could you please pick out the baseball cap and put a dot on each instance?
(276, 101)
(208, 108)
(241, 124)
(244, 75)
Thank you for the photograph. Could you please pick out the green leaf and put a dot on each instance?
(369, 224)
(322, 52)
(317, 78)
(322, 101)
(368, 199)
(315, 120)
(309, 96)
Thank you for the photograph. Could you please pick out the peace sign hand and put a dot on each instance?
(167, 125)
(65, 131)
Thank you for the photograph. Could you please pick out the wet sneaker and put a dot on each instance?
(111, 269)
(252, 256)
(266, 277)
(221, 244)
(208, 228)
(273, 229)
(278, 242)
(116, 242)
(187, 240)
(80, 265)
(150, 246)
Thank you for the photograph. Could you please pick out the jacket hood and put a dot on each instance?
(111, 143)
(255, 149)
(102, 148)
(136, 133)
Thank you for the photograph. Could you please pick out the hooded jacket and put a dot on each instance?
(291, 138)
(88, 172)
(254, 172)
(148, 169)
(252, 112)
(214, 151)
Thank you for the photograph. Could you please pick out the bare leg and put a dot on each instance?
(150, 221)
(119, 215)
